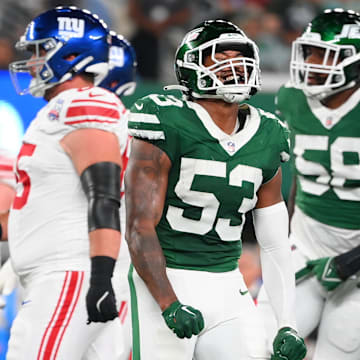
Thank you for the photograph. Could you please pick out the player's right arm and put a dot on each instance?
(146, 181)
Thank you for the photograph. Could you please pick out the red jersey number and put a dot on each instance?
(23, 177)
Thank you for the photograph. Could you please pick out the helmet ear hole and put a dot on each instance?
(70, 57)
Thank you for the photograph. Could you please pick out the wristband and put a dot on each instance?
(348, 264)
(102, 268)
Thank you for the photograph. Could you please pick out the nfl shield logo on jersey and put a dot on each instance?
(329, 121)
(231, 146)
(54, 113)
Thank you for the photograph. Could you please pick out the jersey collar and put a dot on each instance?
(330, 117)
(231, 143)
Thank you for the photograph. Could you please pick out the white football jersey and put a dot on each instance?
(48, 222)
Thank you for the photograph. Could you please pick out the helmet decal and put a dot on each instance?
(71, 27)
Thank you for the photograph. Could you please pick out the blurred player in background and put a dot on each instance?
(195, 168)
(121, 79)
(321, 107)
(64, 225)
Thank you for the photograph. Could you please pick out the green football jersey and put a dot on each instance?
(213, 180)
(325, 145)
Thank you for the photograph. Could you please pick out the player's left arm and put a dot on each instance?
(271, 228)
(4, 216)
(96, 157)
(332, 271)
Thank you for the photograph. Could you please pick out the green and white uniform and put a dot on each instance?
(213, 182)
(326, 152)
(326, 149)
(213, 179)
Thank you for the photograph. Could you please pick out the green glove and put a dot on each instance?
(288, 345)
(183, 320)
(326, 272)
(303, 274)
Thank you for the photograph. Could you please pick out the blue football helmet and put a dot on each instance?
(63, 42)
(122, 67)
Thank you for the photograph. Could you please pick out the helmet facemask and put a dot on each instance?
(330, 74)
(40, 73)
(241, 73)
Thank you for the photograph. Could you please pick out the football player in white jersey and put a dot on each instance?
(321, 105)
(121, 80)
(64, 224)
(196, 167)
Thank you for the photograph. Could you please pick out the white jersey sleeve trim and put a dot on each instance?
(147, 134)
(144, 118)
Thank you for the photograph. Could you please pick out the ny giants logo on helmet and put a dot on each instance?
(71, 27)
(116, 56)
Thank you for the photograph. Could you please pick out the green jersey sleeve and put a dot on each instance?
(150, 119)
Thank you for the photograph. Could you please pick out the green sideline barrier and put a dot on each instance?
(262, 100)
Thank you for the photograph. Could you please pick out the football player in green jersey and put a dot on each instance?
(196, 166)
(321, 107)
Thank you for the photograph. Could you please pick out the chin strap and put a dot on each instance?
(323, 96)
(176, 87)
(221, 93)
(232, 97)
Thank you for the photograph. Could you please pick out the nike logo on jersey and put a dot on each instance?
(94, 95)
(243, 292)
(98, 303)
(25, 302)
(184, 308)
(139, 107)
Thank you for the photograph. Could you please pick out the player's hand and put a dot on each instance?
(326, 272)
(8, 282)
(183, 320)
(303, 274)
(100, 300)
(288, 345)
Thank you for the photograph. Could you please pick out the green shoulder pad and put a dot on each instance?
(150, 116)
(286, 100)
(279, 131)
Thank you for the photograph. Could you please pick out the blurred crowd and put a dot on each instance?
(155, 27)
